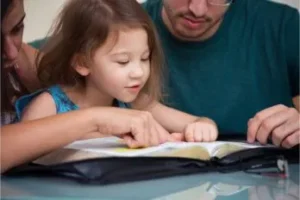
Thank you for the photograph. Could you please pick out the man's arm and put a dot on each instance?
(281, 123)
(290, 41)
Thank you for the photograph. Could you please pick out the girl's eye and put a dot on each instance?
(145, 59)
(123, 62)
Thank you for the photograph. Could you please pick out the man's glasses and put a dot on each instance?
(220, 2)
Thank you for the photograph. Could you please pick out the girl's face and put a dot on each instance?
(121, 66)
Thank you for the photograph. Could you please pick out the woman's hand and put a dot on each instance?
(137, 128)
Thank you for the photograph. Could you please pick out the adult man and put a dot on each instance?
(236, 62)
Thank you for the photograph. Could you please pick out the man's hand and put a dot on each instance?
(280, 123)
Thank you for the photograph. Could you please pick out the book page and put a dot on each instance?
(226, 148)
(114, 146)
(206, 150)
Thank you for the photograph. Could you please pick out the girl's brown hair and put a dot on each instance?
(82, 27)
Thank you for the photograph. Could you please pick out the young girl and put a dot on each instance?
(105, 53)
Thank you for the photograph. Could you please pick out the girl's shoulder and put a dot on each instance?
(61, 100)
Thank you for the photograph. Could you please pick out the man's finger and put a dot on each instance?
(291, 140)
(255, 122)
(283, 131)
(271, 123)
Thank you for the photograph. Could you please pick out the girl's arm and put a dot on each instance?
(171, 119)
(194, 128)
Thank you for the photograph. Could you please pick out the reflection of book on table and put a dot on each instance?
(112, 146)
(205, 191)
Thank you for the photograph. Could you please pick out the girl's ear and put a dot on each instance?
(79, 64)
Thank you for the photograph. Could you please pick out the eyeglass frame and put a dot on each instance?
(216, 4)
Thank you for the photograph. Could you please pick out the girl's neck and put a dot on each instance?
(85, 97)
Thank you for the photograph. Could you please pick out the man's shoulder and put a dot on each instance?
(152, 7)
(266, 15)
(269, 9)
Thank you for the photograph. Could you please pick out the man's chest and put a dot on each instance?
(225, 84)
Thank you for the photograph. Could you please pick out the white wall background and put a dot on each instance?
(39, 17)
(40, 14)
(294, 3)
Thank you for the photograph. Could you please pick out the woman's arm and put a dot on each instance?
(31, 139)
(26, 141)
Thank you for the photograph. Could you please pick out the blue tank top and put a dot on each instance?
(62, 101)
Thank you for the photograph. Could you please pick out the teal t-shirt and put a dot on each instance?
(249, 64)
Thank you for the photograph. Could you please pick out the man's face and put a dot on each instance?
(193, 20)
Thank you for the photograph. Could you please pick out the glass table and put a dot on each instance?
(238, 185)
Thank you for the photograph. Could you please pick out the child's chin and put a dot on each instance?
(127, 99)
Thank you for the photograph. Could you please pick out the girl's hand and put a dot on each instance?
(201, 130)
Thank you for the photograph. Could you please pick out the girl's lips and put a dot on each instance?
(134, 88)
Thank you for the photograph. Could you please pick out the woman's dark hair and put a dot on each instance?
(4, 6)
(11, 85)
(5, 102)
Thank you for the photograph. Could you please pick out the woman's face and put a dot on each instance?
(12, 32)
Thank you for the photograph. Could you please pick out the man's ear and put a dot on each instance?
(79, 64)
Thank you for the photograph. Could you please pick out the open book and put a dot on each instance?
(113, 146)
